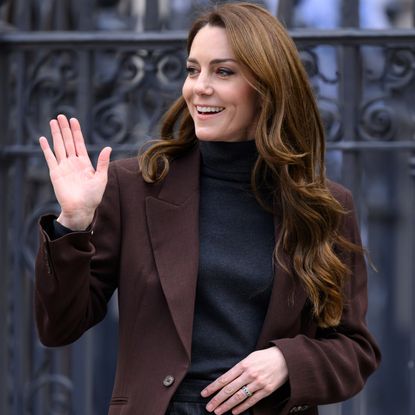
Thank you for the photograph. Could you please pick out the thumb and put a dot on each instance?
(103, 161)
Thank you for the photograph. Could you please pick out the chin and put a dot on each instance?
(205, 136)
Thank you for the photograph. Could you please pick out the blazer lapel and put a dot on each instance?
(173, 222)
(288, 297)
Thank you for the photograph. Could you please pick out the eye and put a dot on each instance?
(191, 70)
(224, 72)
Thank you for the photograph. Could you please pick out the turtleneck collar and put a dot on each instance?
(227, 160)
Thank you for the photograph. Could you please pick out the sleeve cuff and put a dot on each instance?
(58, 230)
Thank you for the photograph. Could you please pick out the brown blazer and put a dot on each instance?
(144, 241)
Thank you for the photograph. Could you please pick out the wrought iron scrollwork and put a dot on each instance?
(310, 59)
(399, 67)
(324, 87)
(330, 113)
(137, 91)
(51, 89)
(378, 120)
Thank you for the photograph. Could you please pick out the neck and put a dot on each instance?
(228, 160)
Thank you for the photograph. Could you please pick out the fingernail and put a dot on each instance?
(209, 407)
(204, 392)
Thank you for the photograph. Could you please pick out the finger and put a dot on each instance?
(58, 145)
(48, 153)
(223, 380)
(78, 138)
(249, 402)
(225, 402)
(103, 161)
(238, 398)
(67, 135)
(231, 395)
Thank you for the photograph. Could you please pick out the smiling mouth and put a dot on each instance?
(209, 110)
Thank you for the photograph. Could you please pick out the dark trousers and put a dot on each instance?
(188, 401)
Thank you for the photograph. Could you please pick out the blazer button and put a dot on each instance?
(168, 381)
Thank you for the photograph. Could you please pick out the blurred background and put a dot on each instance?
(117, 65)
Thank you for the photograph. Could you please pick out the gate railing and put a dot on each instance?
(119, 84)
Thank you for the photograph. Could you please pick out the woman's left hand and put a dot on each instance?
(252, 379)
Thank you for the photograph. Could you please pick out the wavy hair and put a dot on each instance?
(289, 174)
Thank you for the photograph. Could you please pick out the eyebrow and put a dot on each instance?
(214, 61)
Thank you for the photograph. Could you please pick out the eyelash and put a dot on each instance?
(224, 72)
(190, 70)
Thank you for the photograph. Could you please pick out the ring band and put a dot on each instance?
(246, 391)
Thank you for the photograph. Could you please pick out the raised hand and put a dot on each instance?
(78, 186)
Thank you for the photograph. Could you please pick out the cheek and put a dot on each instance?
(186, 91)
(254, 100)
(248, 96)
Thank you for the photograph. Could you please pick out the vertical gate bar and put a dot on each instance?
(349, 98)
(86, 14)
(60, 16)
(4, 252)
(411, 362)
(82, 364)
(4, 299)
(285, 12)
(16, 265)
(349, 94)
(350, 13)
(152, 18)
(84, 101)
(22, 14)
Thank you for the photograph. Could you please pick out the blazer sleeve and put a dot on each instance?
(76, 274)
(334, 365)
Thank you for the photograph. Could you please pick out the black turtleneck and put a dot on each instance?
(235, 265)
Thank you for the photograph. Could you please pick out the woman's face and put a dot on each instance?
(222, 103)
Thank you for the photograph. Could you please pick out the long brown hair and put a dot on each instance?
(290, 140)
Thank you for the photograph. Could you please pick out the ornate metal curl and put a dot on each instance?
(117, 72)
(310, 60)
(378, 120)
(140, 87)
(399, 67)
(110, 121)
(330, 113)
(51, 90)
(131, 70)
(171, 69)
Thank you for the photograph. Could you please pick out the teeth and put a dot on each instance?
(209, 109)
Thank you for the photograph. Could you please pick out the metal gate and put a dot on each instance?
(118, 84)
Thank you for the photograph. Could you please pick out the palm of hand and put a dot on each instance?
(78, 186)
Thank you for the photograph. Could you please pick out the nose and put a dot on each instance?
(202, 85)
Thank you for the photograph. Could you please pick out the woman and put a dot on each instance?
(240, 274)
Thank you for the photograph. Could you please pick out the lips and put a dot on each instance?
(207, 110)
